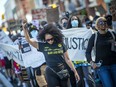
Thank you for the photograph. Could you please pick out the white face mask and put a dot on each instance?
(74, 23)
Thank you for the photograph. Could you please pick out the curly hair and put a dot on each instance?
(52, 30)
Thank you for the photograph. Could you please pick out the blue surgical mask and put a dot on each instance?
(74, 23)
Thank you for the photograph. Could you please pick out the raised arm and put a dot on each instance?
(31, 41)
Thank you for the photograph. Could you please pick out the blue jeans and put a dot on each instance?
(107, 75)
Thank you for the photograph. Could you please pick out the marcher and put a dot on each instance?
(55, 54)
(88, 23)
(16, 66)
(2, 61)
(74, 22)
(39, 67)
(113, 13)
(37, 70)
(17, 70)
(8, 67)
(103, 53)
(64, 21)
(109, 21)
(82, 67)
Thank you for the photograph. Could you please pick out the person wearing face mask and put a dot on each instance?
(64, 21)
(74, 22)
(82, 67)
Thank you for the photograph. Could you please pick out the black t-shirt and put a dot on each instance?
(103, 49)
(53, 53)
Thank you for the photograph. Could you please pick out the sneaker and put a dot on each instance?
(19, 83)
(24, 84)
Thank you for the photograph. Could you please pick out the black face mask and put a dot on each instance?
(64, 24)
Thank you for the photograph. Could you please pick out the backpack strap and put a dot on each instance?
(112, 34)
(95, 40)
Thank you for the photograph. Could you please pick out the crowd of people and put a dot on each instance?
(58, 70)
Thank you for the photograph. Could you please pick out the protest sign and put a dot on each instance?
(4, 38)
(76, 40)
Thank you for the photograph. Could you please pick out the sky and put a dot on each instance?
(2, 10)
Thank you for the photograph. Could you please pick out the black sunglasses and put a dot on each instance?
(102, 22)
(50, 39)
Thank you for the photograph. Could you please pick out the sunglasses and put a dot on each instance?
(51, 39)
(102, 22)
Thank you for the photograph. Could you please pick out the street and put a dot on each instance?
(4, 82)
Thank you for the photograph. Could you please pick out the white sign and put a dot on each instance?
(4, 38)
(33, 58)
(76, 40)
(12, 52)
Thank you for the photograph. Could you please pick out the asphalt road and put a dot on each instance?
(4, 82)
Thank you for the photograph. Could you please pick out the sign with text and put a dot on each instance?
(4, 38)
(76, 39)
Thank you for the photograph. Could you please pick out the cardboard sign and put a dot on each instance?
(52, 14)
